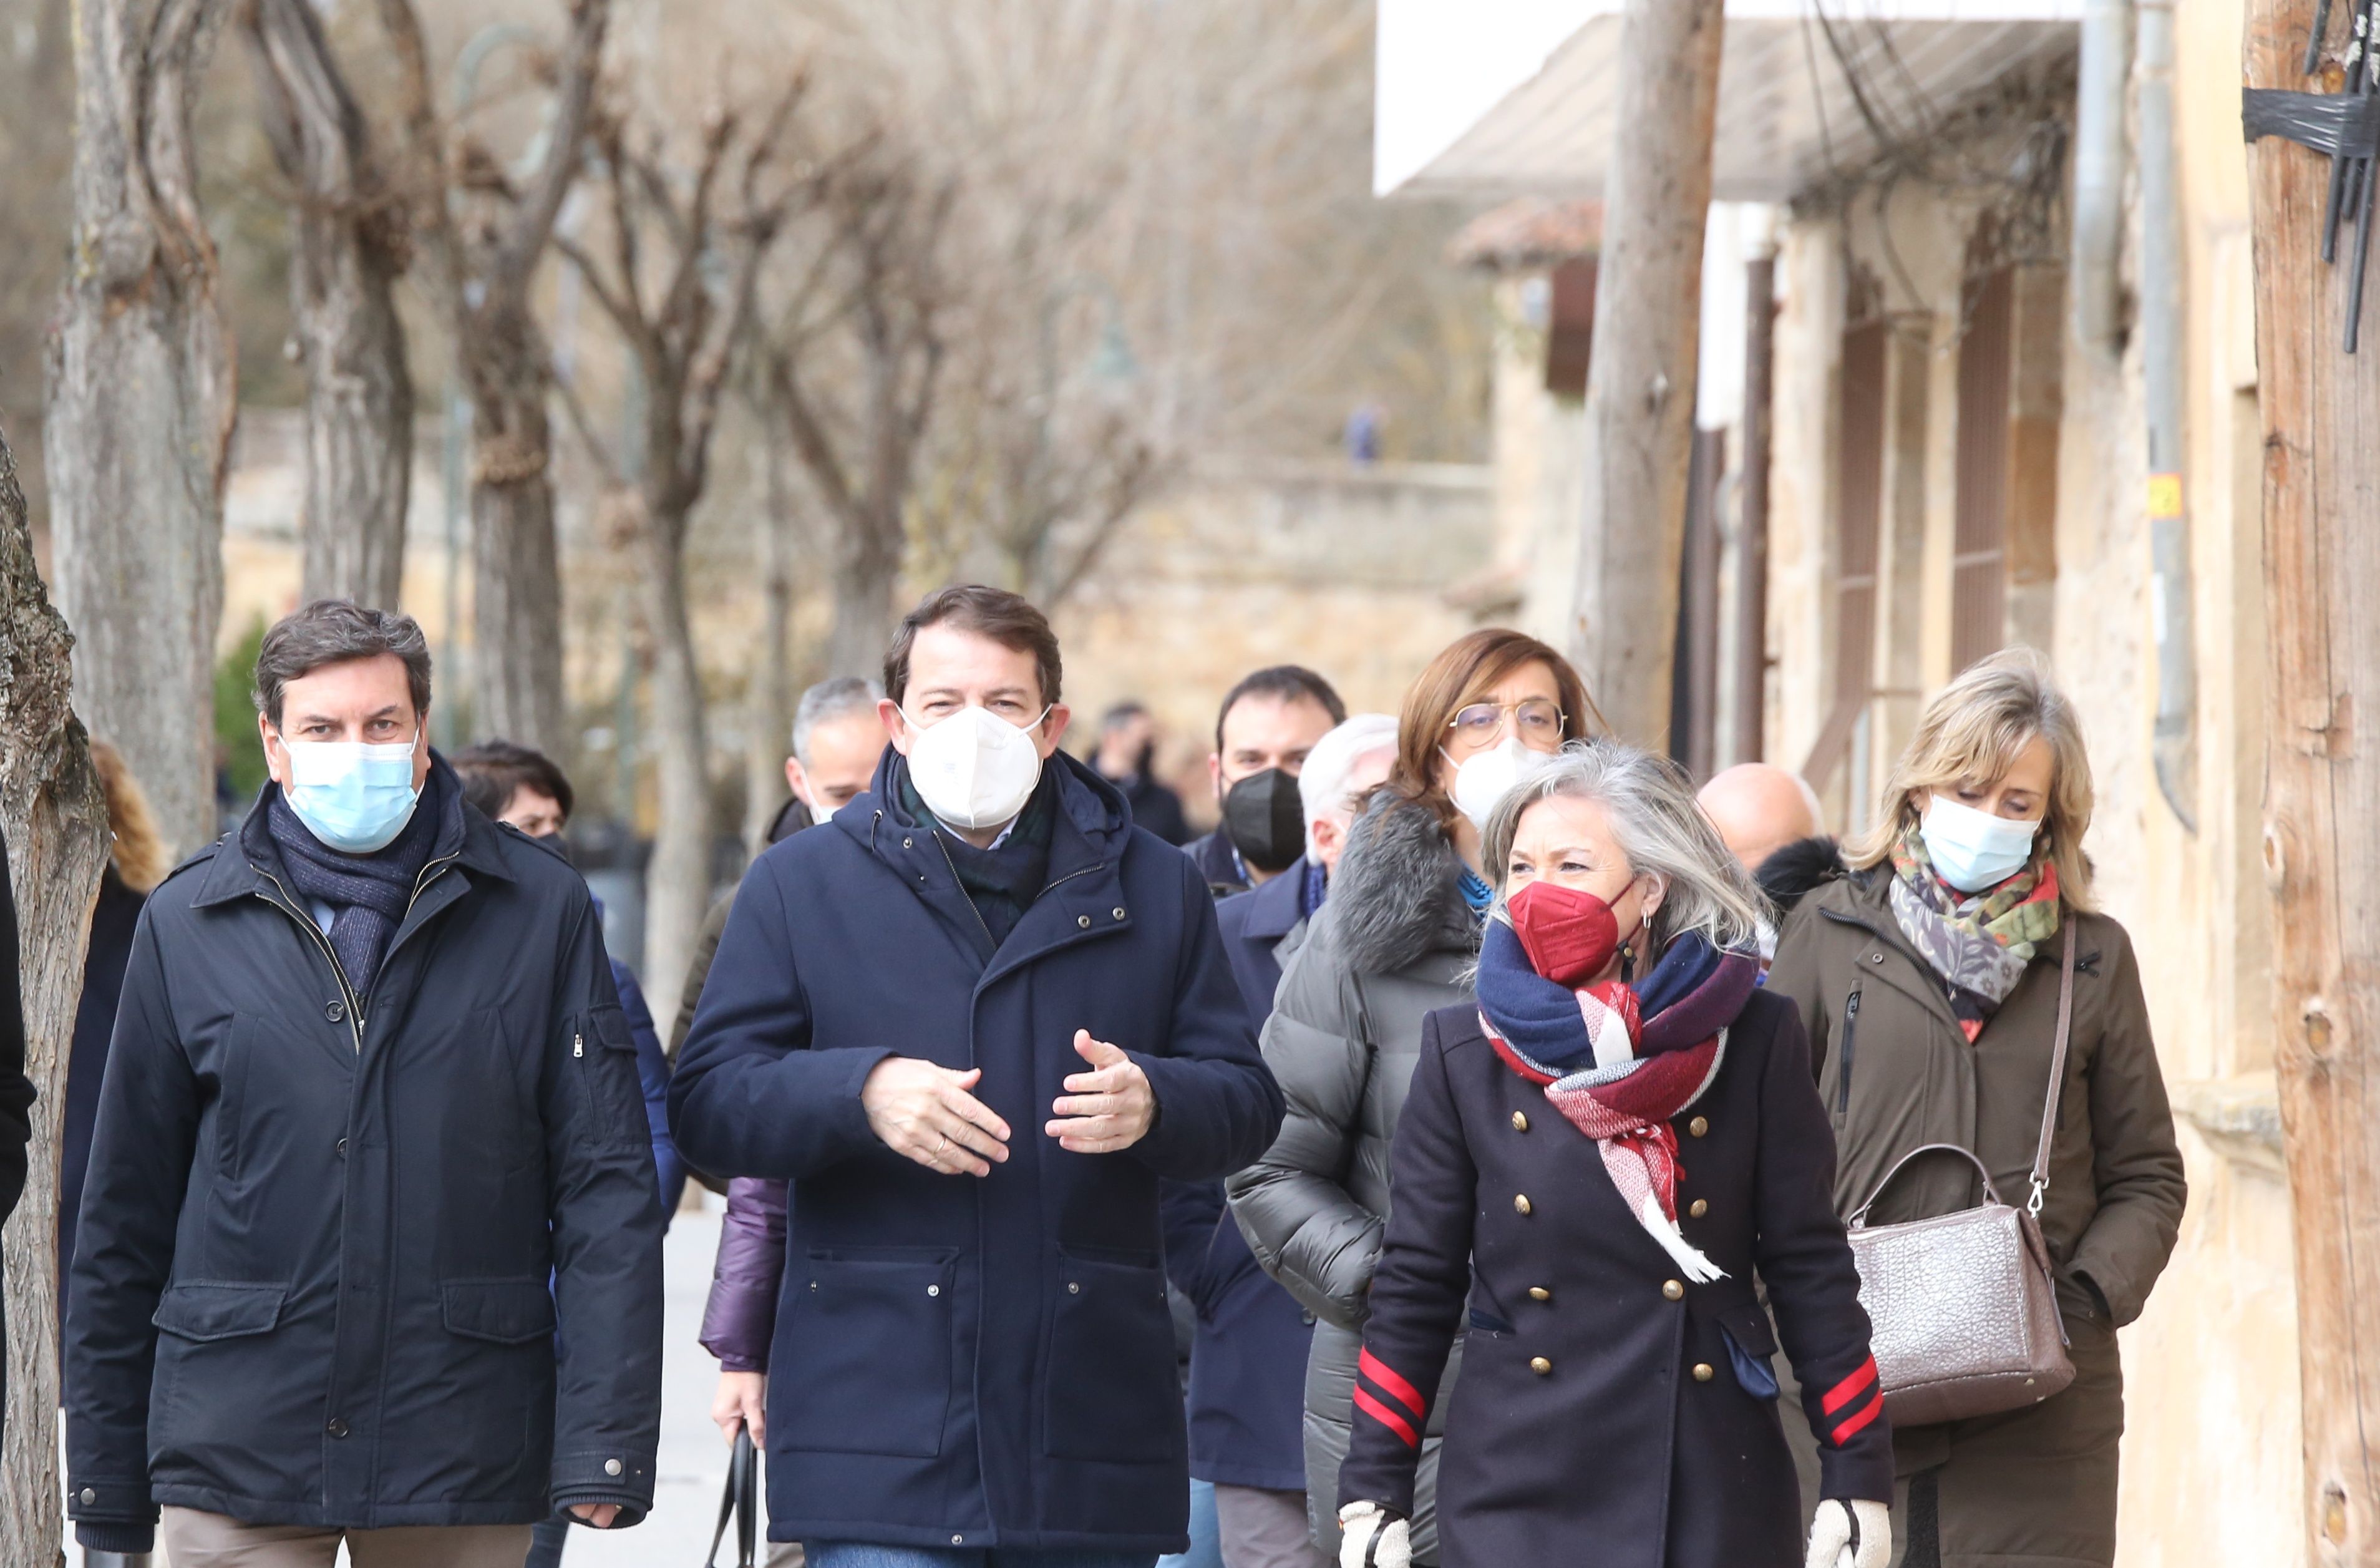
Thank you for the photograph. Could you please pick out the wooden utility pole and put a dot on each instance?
(55, 818)
(2321, 408)
(1640, 388)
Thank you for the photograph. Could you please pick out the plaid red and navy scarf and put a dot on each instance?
(1618, 1060)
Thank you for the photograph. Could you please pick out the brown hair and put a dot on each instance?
(1461, 674)
(1972, 732)
(493, 770)
(331, 631)
(139, 853)
(1004, 618)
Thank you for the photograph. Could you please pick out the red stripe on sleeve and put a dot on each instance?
(1396, 1388)
(1854, 1425)
(1387, 1418)
(1850, 1389)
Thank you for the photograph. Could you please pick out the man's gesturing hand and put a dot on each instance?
(1107, 1109)
(925, 1113)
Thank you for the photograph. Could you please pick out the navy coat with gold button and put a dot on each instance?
(1610, 1411)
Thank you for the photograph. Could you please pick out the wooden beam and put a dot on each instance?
(2320, 411)
(1640, 383)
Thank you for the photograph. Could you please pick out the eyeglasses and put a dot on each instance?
(1536, 717)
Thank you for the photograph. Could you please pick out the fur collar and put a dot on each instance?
(1398, 896)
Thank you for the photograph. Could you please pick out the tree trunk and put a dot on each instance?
(55, 819)
(516, 562)
(1752, 551)
(1640, 389)
(141, 399)
(678, 879)
(347, 249)
(867, 574)
(2322, 843)
(770, 705)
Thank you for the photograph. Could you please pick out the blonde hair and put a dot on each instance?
(1649, 803)
(138, 852)
(1971, 734)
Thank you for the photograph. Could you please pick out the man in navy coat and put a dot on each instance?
(1247, 1366)
(975, 1022)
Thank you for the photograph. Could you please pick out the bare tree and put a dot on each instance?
(769, 690)
(853, 370)
(681, 338)
(142, 400)
(348, 247)
(55, 818)
(486, 234)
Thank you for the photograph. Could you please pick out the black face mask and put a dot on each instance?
(558, 843)
(1265, 819)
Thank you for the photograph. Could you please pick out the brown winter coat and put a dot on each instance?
(2035, 1488)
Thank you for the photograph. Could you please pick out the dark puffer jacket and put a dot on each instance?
(1395, 943)
(323, 1249)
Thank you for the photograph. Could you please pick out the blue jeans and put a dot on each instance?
(1206, 1533)
(864, 1554)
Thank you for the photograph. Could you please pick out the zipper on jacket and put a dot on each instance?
(1843, 1058)
(981, 924)
(289, 907)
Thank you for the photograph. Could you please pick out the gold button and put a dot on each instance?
(1539, 1292)
(1703, 1373)
(1520, 1123)
(1674, 1290)
(1698, 1126)
(1701, 1206)
(1540, 1366)
(1520, 1203)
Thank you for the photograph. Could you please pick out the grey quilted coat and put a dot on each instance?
(1395, 943)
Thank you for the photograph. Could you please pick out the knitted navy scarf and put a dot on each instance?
(1677, 1001)
(368, 893)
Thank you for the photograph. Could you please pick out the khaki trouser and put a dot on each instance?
(194, 1540)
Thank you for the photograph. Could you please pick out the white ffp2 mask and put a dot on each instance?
(1483, 779)
(974, 769)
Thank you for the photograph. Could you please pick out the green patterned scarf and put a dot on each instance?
(1977, 944)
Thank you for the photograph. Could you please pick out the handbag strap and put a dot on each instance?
(1991, 1194)
(740, 1502)
(2057, 1071)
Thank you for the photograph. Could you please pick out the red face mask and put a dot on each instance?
(1569, 935)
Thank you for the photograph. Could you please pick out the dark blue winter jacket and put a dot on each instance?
(652, 1077)
(1247, 1366)
(962, 1362)
(310, 1279)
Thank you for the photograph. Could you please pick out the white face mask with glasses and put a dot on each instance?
(1487, 775)
(973, 768)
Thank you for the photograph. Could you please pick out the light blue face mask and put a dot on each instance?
(355, 797)
(1972, 850)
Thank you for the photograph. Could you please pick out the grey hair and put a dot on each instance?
(333, 631)
(841, 698)
(1650, 805)
(1322, 782)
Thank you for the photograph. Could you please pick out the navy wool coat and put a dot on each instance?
(963, 1362)
(321, 1256)
(1609, 1412)
(1247, 1364)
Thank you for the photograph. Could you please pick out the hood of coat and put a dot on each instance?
(1397, 898)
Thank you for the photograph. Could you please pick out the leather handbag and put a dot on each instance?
(740, 1503)
(1964, 1307)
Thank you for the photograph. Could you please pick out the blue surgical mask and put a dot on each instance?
(355, 797)
(1972, 850)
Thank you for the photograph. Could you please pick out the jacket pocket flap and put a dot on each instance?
(506, 1311)
(216, 1309)
(1749, 1326)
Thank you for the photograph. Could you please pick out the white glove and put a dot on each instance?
(1835, 1527)
(1371, 1538)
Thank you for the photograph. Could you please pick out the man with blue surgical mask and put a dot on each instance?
(975, 1019)
(371, 1090)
